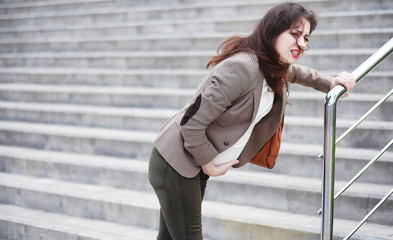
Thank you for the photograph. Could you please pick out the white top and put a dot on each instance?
(233, 152)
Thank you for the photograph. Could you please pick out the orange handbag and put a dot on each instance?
(266, 157)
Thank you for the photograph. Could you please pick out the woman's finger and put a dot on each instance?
(346, 79)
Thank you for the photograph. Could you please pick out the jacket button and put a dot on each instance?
(226, 143)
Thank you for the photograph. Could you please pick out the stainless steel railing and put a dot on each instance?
(330, 142)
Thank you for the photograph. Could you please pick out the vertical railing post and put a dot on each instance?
(329, 163)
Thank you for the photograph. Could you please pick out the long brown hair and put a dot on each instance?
(261, 42)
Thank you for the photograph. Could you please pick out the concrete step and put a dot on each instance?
(358, 104)
(297, 129)
(33, 222)
(174, 78)
(301, 160)
(40, 7)
(99, 95)
(297, 160)
(129, 207)
(198, 15)
(298, 195)
(140, 208)
(3, 2)
(369, 134)
(309, 103)
(350, 38)
(375, 82)
(18, 223)
(348, 59)
(113, 37)
(183, 9)
(145, 119)
(114, 59)
(14, 7)
(124, 173)
(124, 143)
(128, 59)
(321, 59)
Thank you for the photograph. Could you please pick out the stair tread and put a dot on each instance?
(126, 9)
(99, 161)
(286, 148)
(96, 89)
(339, 31)
(265, 179)
(156, 7)
(210, 208)
(86, 109)
(158, 53)
(42, 3)
(167, 113)
(105, 133)
(302, 183)
(158, 90)
(79, 190)
(355, 13)
(341, 152)
(82, 132)
(220, 18)
(111, 71)
(176, 53)
(152, 71)
(72, 225)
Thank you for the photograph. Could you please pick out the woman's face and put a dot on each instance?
(291, 44)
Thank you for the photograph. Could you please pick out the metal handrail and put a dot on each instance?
(361, 119)
(329, 151)
(360, 173)
(369, 214)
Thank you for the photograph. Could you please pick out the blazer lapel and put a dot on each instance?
(257, 97)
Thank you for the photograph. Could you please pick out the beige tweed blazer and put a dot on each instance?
(221, 111)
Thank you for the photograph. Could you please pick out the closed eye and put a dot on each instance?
(296, 34)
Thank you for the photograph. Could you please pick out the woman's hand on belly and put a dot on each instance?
(218, 170)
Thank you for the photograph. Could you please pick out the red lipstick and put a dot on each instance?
(296, 53)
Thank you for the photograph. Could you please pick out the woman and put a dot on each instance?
(235, 110)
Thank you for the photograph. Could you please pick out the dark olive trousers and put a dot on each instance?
(180, 200)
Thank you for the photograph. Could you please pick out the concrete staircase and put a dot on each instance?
(85, 86)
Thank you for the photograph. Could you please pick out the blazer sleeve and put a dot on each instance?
(310, 78)
(230, 79)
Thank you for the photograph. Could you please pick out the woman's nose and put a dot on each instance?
(302, 44)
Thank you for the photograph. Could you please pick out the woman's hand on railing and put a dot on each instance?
(345, 79)
(217, 170)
